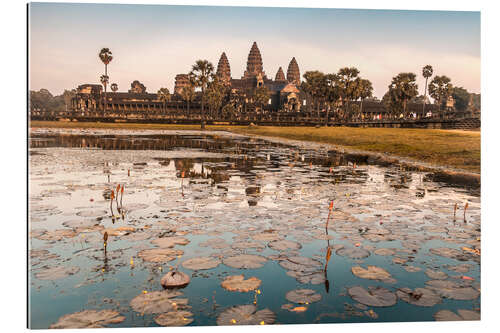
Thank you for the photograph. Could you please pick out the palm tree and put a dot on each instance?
(348, 81)
(332, 93)
(106, 56)
(315, 85)
(114, 87)
(402, 89)
(164, 96)
(440, 88)
(105, 81)
(365, 90)
(427, 73)
(202, 73)
(187, 93)
(216, 93)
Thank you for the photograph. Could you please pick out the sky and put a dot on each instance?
(153, 43)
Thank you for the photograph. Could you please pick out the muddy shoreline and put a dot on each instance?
(440, 173)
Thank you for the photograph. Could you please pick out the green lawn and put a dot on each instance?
(453, 148)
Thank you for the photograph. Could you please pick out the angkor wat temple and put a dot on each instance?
(285, 93)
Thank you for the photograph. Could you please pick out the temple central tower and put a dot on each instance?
(254, 63)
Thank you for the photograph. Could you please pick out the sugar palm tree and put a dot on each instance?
(427, 73)
(106, 56)
(114, 87)
(164, 96)
(187, 93)
(440, 88)
(105, 81)
(365, 90)
(202, 73)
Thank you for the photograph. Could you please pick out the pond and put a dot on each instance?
(265, 232)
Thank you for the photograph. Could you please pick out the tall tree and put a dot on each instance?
(332, 95)
(401, 90)
(348, 81)
(427, 73)
(261, 96)
(114, 87)
(164, 96)
(216, 93)
(202, 73)
(461, 97)
(440, 88)
(315, 86)
(187, 93)
(106, 56)
(365, 90)
(104, 81)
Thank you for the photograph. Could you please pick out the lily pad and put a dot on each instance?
(452, 290)
(89, 319)
(302, 264)
(303, 296)
(158, 302)
(201, 263)
(374, 296)
(308, 277)
(174, 318)
(92, 213)
(419, 296)
(246, 315)
(166, 242)
(384, 252)
(284, 245)
(247, 245)
(159, 255)
(353, 253)
(56, 273)
(238, 283)
(246, 261)
(447, 315)
(373, 273)
(436, 275)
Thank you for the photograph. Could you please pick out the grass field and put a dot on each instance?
(452, 148)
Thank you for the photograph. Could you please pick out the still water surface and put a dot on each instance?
(232, 195)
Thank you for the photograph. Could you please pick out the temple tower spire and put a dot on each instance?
(280, 76)
(254, 63)
(223, 69)
(293, 72)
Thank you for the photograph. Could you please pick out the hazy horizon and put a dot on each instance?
(153, 43)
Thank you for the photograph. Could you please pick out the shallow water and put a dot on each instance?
(239, 190)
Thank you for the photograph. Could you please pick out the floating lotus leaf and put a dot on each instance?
(135, 206)
(447, 315)
(379, 297)
(436, 275)
(35, 233)
(175, 279)
(165, 242)
(215, 243)
(307, 277)
(246, 315)
(43, 255)
(89, 319)
(452, 290)
(446, 252)
(384, 252)
(201, 263)
(55, 273)
(57, 235)
(158, 302)
(159, 255)
(267, 237)
(283, 245)
(419, 296)
(462, 268)
(74, 224)
(174, 318)
(412, 269)
(373, 273)
(117, 232)
(136, 236)
(353, 253)
(303, 296)
(247, 245)
(92, 213)
(247, 261)
(238, 283)
(302, 264)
